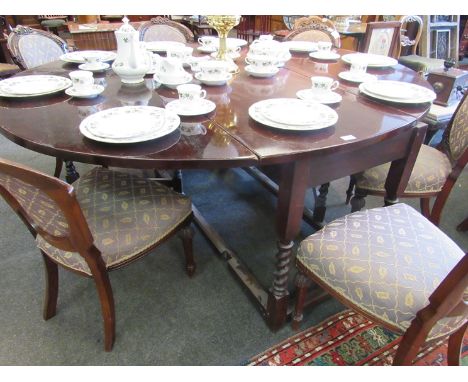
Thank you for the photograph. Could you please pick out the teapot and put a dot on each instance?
(133, 61)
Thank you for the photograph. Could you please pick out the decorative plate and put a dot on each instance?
(34, 85)
(373, 60)
(275, 113)
(129, 124)
(78, 57)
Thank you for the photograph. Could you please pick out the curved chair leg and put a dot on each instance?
(101, 278)
(454, 346)
(410, 344)
(302, 283)
(441, 198)
(425, 207)
(358, 202)
(350, 190)
(51, 289)
(186, 235)
(58, 167)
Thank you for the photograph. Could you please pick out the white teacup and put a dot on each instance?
(190, 94)
(323, 84)
(82, 79)
(324, 46)
(262, 63)
(170, 68)
(214, 69)
(358, 66)
(192, 128)
(180, 52)
(92, 61)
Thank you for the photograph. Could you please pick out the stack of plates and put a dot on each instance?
(129, 124)
(32, 86)
(373, 60)
(395, 91)
(79, 56)
(293, 114)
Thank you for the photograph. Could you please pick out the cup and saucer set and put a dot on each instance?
(261, 66)
(94, 64)
(321, 91)
(324, 52)
(192, 101)
(83, 85)
(357, 71)
(170, 73)
(213, 73)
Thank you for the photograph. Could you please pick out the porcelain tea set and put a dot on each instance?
(321, 90)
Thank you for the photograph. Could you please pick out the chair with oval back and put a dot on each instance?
(315, 32)
(434, 174)
(77, 227)
(164, 29)
(311, 20)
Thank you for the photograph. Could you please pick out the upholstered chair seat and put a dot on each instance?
(126, 215)
(429, 174)
(421, 64)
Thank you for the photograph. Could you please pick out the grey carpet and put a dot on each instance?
(163, 317)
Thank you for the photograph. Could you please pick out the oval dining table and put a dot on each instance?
(369, 132)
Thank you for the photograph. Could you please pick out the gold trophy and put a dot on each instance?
(223, 25)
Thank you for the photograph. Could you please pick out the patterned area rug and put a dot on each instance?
(346, 339)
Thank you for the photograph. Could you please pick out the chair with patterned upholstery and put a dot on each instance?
(397, 269)
(315, 32)
(164, 29)
(33, 47)
(382, 37)
(106, 221)
(434, 174)
(306, 21)
(411, 30)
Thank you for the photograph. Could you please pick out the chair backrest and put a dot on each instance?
(33, 47)
(315, 33)
(455, 139)
(411, 30)
(382, 37)
(311, 20)
(164, 29)
(251, 27)
(47, 205)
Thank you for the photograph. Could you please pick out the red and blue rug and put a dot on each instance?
(346, 339)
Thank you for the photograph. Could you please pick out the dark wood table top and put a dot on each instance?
(50, 124)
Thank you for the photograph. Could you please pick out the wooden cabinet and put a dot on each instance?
(463, 49)
(439, 38)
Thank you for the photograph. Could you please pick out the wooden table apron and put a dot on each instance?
(379, 133)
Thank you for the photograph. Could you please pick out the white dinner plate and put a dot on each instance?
(324, 55)
(34, 85)
(317, 115)
(326, 98)
(357, 78)
(414, 93)
(373, 60)
(78, 57)
(162, 46)
(202, 106)
(301, 46)
(129, 124)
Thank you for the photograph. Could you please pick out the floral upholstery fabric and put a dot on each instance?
(163, 33)
(387, 261)
(429, 174)
(40, 209)
(126, 215)
(37, 50)
(458, 138)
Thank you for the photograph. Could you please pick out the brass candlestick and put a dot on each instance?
(223, 25)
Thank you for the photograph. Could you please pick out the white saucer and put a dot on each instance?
(262, 74)
(326, 98)
(97, 67)
(91, 93)
(348, 76)
(325, 56)
(202, 106)
(173, 84)
(213, 82)
(207, 49)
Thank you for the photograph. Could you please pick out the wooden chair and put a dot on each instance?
(382, 37)
(164, 29)
(251, 27)
(315, 32)
(303, 22)
(434, 174)
(394, 267)
(411, 30)
(106, 221)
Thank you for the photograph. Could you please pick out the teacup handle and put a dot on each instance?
(237, 49)
(247, 59)
(203, 93)
(203, 129)
(334, 85)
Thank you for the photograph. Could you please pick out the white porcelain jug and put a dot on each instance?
(133, 61)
